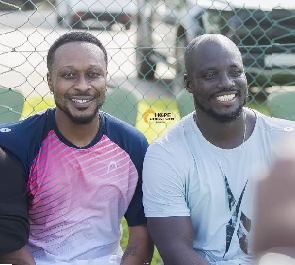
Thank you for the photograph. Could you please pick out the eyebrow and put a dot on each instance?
(210, 68)
(90, 66)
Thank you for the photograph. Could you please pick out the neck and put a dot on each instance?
(224, 135)
(79, 135)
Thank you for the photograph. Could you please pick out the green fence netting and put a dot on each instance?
(145, 41)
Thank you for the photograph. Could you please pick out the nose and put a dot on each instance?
(225, 81)
(83, 83)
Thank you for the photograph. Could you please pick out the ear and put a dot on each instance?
(188, 83)
(49, 82)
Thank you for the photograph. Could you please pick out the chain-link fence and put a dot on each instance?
(145, 40)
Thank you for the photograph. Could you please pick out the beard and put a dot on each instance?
(222, 118)
(79, 118)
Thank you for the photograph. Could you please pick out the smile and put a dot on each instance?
(226, 97)
(80, 100)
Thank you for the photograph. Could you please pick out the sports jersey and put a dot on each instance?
(186, 175)
(78, 196)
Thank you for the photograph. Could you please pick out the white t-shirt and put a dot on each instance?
(185, 175)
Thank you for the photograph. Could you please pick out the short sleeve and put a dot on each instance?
(135, 213)
(163, 184)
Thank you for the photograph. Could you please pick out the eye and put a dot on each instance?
(210, 75)
(68, 75)
(94, 74)
(236, 72)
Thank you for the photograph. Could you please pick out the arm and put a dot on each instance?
(14, 224)
(168, 216)
(140, 247)
(173, 237)
(19, 257)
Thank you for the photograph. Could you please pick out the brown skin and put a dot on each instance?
(173, 237)
(140, 247)
(79, 77)
(83, 77)
(275, 227)
(19, 257)
(216, 70)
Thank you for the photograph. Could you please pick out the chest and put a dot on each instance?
(218, 179)
(66, 179)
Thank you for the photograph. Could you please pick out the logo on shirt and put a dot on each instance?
(5, 130)
(239, 222)
(150, 116)
(288, 129)
(112, 166)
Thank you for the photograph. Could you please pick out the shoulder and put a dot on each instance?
(273, 124)
(127, 137)
(175, 137)
(21, 137)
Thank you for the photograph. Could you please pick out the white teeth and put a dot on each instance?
(80, 100)
(226, 97)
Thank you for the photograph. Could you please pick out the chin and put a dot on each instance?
(82, 119)
(227, 118)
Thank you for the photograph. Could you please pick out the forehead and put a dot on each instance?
(213, 54)
(74, 53)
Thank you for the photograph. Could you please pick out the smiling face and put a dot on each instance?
(217, 80)
(78, 81)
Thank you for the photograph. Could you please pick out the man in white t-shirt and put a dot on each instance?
(197, 178)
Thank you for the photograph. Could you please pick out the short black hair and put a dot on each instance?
(74, 36)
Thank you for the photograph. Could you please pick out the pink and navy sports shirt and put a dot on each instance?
(78, 196)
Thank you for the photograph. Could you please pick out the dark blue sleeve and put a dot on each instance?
(14, 223)
(135, 212)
